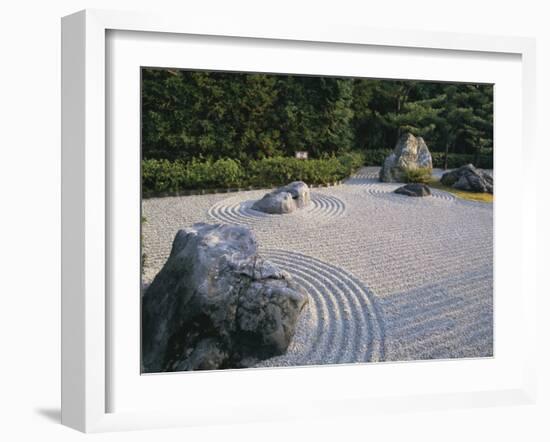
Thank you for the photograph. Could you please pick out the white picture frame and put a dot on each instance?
(86, 208)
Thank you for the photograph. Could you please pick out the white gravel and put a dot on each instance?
(389, 277)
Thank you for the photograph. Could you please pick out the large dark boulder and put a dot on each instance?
(285, 199)
(410, 152)
(414, 189)
(469, 178)
(217, 304)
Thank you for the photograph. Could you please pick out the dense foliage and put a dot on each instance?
(165, 176)
(206, 116)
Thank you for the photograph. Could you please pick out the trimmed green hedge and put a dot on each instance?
(163, 176)
(172, 176)
(485, 161)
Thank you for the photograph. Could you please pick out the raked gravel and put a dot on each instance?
(389, 277)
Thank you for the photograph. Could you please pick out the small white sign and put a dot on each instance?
(301, 155)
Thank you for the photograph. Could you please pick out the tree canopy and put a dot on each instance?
(197, 114)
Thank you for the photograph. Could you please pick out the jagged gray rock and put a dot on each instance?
(285, 199)
(217, 304)
(410, 152)
(469, 178)
(414, 189)
(276, 203)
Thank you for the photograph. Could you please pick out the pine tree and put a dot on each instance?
(467, 119)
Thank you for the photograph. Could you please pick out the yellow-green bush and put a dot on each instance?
(417, 175)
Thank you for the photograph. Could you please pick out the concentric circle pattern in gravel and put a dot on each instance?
(339, 324)
(236, 210)
(389, 277)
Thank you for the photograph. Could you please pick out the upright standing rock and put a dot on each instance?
(410, 152)
(217, 304)
(299, 192)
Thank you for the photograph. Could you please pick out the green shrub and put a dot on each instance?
(274, 171)
(417, 175)
(227, 173)
(352, 161)
(281, 170)
(160, 175)
(163, 176)
(195, 173)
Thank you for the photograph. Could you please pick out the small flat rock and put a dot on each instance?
(414, 189)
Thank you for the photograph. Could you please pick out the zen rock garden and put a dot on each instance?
(217, 301)
(297, 220)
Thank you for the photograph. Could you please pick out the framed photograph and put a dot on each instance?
(284, 222)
